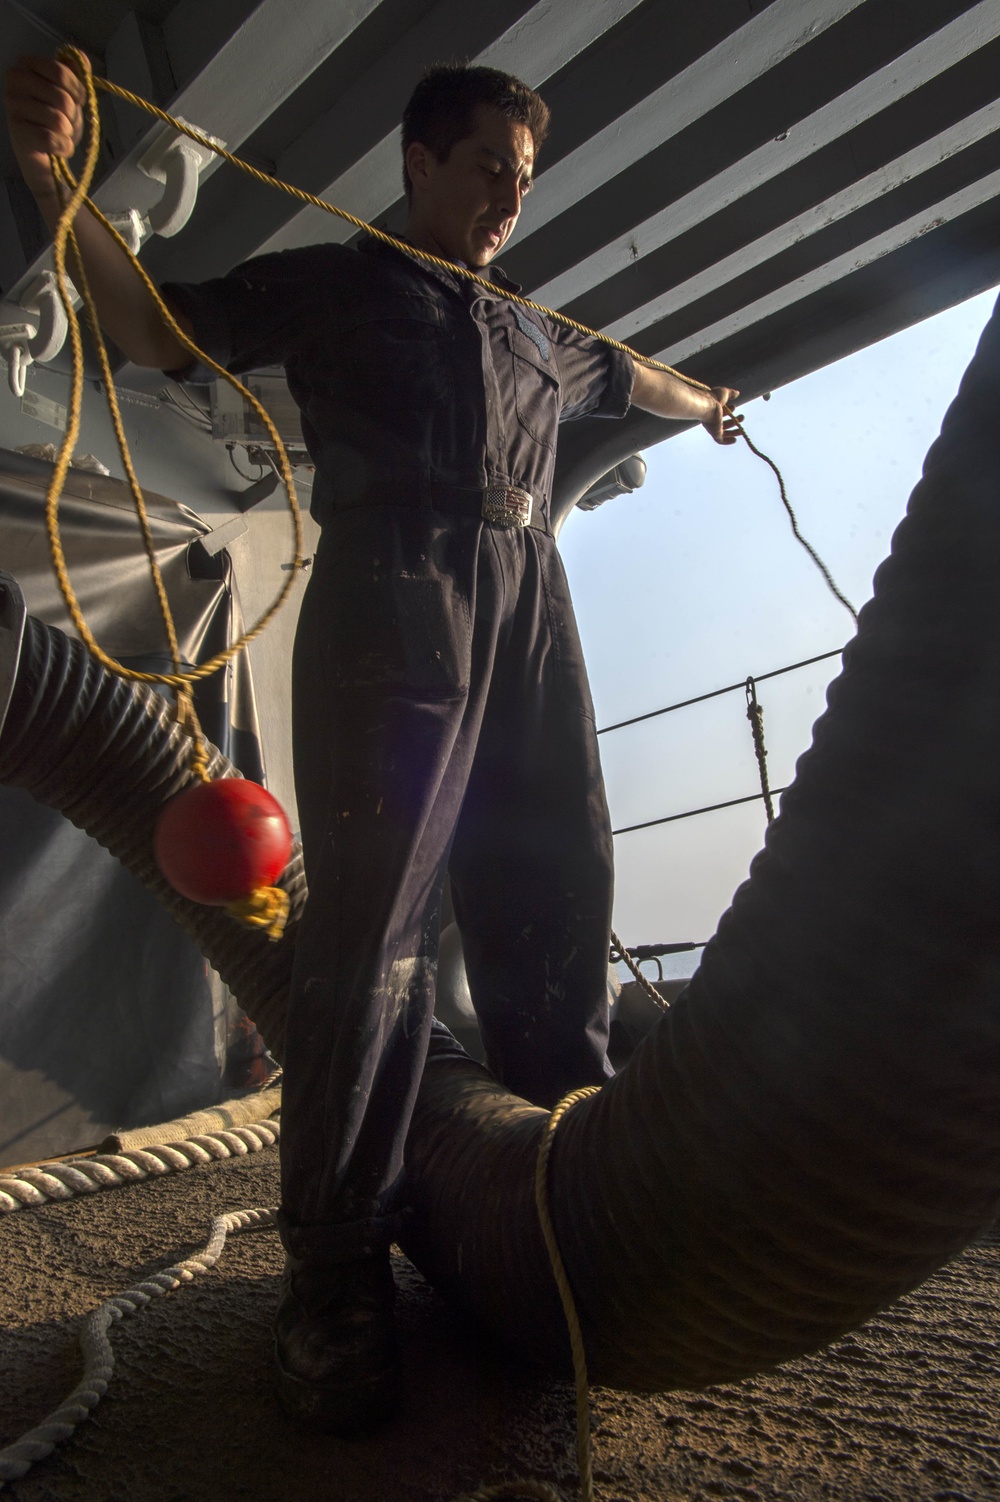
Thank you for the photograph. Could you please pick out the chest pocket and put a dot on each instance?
(396, 355)
(536, 386)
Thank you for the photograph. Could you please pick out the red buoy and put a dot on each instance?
(220, 841)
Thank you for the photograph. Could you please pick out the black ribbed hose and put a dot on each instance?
(813, 1127)
(109, 755)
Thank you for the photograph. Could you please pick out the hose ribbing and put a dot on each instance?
(812, 1128)
(109, 756)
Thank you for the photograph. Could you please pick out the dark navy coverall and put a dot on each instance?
(442, 719)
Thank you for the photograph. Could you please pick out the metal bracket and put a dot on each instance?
(175, 161)
(132, 227)
(32, 329)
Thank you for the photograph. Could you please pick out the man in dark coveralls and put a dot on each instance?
(442, 720)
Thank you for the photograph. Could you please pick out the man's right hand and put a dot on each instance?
(45, 114)
(46, 104)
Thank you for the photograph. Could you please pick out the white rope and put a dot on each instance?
(62, 1181)
(98, 1357)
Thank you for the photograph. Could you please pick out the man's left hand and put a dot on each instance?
(721, 421)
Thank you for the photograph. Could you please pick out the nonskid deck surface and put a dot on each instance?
(906, 1408)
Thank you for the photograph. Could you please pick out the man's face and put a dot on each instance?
(467, 207)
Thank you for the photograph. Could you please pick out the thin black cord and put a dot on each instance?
(710, 808)
(828, 577)
(714, 693)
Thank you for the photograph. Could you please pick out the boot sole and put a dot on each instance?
(343, 1409)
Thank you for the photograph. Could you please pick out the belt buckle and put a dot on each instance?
(506, 506)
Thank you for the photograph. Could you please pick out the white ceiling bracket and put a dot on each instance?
(132, 227)
(14, 339)
(43, 305)
(32, 329)
(177, 162)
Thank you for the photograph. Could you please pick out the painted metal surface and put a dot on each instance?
(709, 168)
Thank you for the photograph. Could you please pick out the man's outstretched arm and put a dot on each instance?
(663, 394)
(45, 113)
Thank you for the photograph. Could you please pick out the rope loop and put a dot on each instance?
(73, 193)
(583, 1450)
(188, 720)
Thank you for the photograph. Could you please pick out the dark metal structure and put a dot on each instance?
(748, 189)
(810, 1130)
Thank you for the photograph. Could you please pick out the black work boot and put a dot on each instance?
(335, 1343)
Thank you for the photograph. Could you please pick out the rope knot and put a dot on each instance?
(265, 907)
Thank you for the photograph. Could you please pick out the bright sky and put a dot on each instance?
(696, 580)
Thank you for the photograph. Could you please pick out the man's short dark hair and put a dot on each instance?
(441, 108)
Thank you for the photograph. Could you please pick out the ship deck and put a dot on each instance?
(904, 1408)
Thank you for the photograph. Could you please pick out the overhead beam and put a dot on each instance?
(830, 211)
(292, 39)
(934, 55)
(954, 206)
(753, 50)
(938, 270)
(541, 41)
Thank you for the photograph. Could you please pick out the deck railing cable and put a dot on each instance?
(715, 693)
(633, 955)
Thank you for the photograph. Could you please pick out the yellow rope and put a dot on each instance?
(540, 1490)
(265, 907)
(270, 181)
(182, 680)
(179, 679)
(565, 1292)
(369, 229)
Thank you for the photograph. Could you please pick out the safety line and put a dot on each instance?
(755, 714)
(657, 951)
(621, 952)
(715, 692)
(710, 808)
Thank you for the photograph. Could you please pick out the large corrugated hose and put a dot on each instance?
(813, 1127)
(109, 754)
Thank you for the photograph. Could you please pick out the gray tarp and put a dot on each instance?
(109, 1016)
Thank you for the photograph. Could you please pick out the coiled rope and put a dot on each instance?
(73, 194)
(98, 1358)
(63, 1181)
